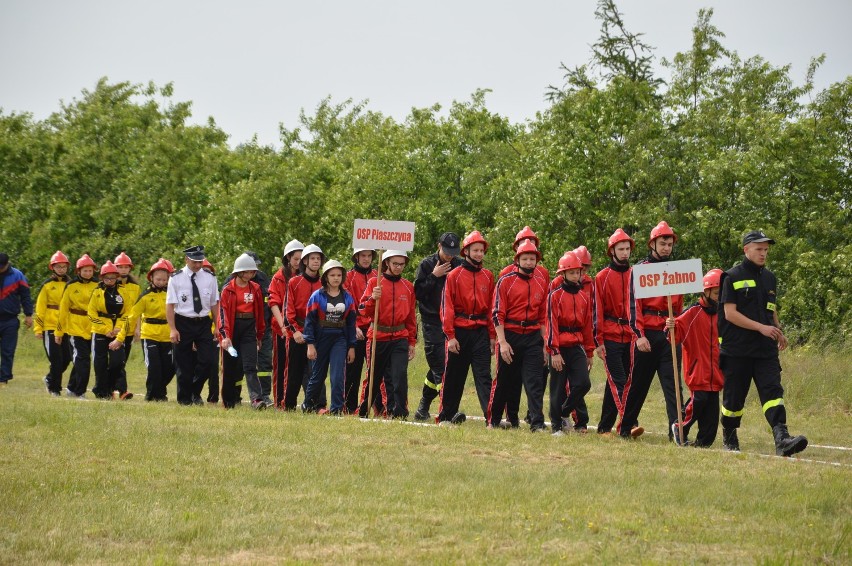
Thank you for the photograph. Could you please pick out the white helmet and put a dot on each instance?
(331, 264)
(356, 251)
(293, 246)
(244, 263)
(312, 249)
(393, 253)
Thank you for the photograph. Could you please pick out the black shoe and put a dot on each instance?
(785, 445)
(730, 440)
(422, 413)
(458, 418)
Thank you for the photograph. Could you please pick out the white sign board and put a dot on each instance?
(667, 278)
(383, 235)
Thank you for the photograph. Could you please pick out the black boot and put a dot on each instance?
(730, 440)
(785, 445)
(422, 413)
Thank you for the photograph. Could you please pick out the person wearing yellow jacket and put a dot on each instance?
(47, 318)
(108, 311)
(156, 343)
(132, 290)
(74, 322)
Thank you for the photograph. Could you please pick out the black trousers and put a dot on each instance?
(264, 364)
(645, 365)
(739, 372)
(569, 386)
(391, 363)
(159, 360)
(524, 371)
(279, 368)
(109, 366)
(59, 356)
(353, 375)
(193, 368)
(81, 358)
(702, 408)
(474, 353)
(618, 364)
(244, 341)
(297, 375)
(435, 349)
(128, 345)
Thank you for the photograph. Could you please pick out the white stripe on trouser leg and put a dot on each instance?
(145, 351)
(46, 337)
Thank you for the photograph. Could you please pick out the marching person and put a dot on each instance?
(330, 335)
(653, 352)
(569, 342)
(131, 290)
(150, 311)
(469, 329)
(47, 318)
(429, 281)
(614, 334)
(299, 290)
(241, 329)
(108, 311)
(191, 296)
(395, 331)
(356, 283)
(587, 285)
(291, 258)
(696, 329)
(74, 322)
(751, 337)
(14, 296)
(519, 315)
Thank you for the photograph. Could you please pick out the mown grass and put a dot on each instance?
(112, 482)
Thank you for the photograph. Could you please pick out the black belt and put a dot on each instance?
(471, 316)
(655, 313)
(328, 324)
(570, 329)
(623, 321)
(521, 323)
(54, 307)
(193, 318)
(156, 321)
(396, 328)
(245, 315)
(78, 311)
(107, 315)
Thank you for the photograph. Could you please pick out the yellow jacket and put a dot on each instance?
(102, 323)
(151, 308)
(73, 309)
(132, 291)
(47, 305)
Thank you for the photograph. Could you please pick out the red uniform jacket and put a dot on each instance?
(228, 308)
(569, 320)
(467, 300)
(299, 290)
(696, 329)
(614, 305)
(520, 302)
(278, 298)
(356, 283)
(651, 313)
(397, 318)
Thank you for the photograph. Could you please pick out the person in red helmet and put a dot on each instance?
(614, 332)
(569, 341)
(109, 310)
(469, 329)
(132, 290)
(46, 320)
(696, 330)
(74, 322)
(150, 312)
(653, 352)
(587, 285)
(519, 314)
(291, 259)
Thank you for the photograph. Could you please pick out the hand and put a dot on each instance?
(226, 343)
(259, 345)
(57, 339)
(442, 269)
(137, 335)
(453, 346)
(670, 323)
(312, 352)
(782, 341)
(115, 345)
(299, 337)
(545, 354)
(506, 352)
(350, 356)
(359, 334)
(410, 353)
(601, 352)
(589, 362)
(491, 344)
(39, 335)
(643, 345)
(556, 362)
(174, 336)
(28, 320)
(377, 293)
(771, 332)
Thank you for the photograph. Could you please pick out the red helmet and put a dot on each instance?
(569, 261)
(473, 238)
(661, 229)
(527, 247)
(85, 261)
(58, 257)
(584, 255)
(617, 237)
(207, 265)
(159, 265)
(169, 265)
(713, 278)
(123, 259)
(108, 267)
(526, 234)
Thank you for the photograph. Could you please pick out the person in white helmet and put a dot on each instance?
(291, 259)
(355, 283)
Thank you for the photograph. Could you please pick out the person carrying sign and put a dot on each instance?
(751, 338)
(355, 283)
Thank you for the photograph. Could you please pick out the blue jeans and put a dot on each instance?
(8, 343)
(331, 351)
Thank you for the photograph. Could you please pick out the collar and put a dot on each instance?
(362, 270)
(470, 266)
(311, 279)
(570, 287)
(621, 268)
(751, 266)
(708, 307)
(393, 278)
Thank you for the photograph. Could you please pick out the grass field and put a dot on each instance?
(131, 482)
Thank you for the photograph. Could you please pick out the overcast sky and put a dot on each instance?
(254, 64)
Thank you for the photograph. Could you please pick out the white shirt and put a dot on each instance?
(179, 292)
